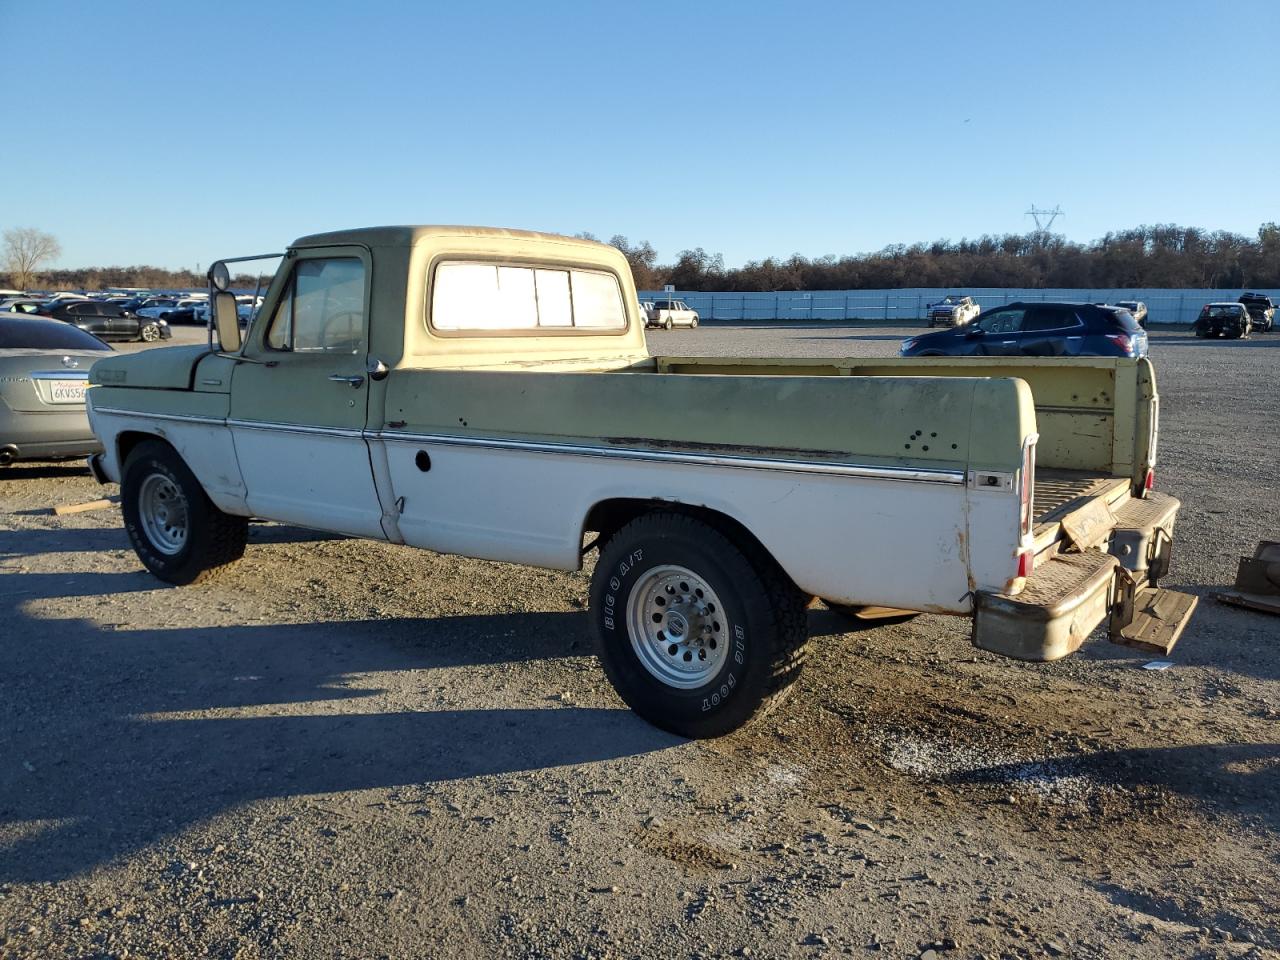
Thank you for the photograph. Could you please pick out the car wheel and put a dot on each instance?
(693, 325)
(150, 332)
(669, 324)
(176, 531)
(697, 633)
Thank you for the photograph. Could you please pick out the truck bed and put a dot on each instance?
(1058, 493)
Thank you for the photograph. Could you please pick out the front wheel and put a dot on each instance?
(693, 324)
(669, 324)
(696, 633)
(151, 332)
(176, 531)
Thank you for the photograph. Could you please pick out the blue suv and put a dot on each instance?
(1038, 330)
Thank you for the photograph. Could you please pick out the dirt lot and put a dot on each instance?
(347, 749)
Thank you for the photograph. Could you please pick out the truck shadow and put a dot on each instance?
(1239, 779)
(116, 739)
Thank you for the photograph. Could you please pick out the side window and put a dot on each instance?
(322, 309)
(487, 297)
(1002, 321)
(1049, 318)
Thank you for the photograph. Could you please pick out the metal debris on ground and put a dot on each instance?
(1257, 585)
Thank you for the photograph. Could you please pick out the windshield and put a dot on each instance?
(20, 334)
(1222, 310)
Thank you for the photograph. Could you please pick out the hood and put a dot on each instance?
(165, 368)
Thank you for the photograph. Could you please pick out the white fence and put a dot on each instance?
(906, 305)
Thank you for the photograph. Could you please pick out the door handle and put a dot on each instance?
(354, 381)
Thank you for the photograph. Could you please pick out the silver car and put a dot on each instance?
(44, 370)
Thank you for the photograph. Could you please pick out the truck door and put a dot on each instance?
(299, 399)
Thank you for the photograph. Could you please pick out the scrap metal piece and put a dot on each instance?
(1257, 585)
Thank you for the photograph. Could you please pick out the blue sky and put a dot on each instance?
(172, 133)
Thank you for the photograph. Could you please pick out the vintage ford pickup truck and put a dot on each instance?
(489, 393)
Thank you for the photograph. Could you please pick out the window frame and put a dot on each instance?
(1061, 311)
(529, 263)
(289, 287)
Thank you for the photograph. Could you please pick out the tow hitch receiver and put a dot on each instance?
(1148, 618)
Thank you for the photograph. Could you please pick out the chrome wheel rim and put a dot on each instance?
(678, 627)
(151, 332)
(162, 508)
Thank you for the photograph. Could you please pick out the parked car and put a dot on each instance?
(1230, 320)
(403, 365)
(1262, 312)
(21, 305)
(155, 307)
(1038, 330)
(671, 313)
(109, 322)
(44, 369)
(1138, 309)
(952, 311)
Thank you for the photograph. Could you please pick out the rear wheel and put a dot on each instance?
(669, 324)
(177, 532)
(697, 633)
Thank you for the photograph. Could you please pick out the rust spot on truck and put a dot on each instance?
(732, 449)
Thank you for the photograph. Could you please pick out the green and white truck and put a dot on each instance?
(488, 393)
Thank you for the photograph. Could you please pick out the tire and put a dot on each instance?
(669, 324)
(150, 332)
(1199, 331)
(747, 619)
(694, 324)
(155, 485)
(1235, 333)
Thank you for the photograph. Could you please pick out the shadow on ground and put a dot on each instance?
(99, 759)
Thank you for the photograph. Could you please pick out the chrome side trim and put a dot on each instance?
(59, 374)
(664, 456)
(176, 417)
(303, 428)
(917, 475)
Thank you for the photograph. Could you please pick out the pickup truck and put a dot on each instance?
(670, 313)
(953, 311)
(489, 393)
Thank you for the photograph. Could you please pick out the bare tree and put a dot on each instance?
(25, 248)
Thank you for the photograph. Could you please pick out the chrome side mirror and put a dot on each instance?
(226, 321)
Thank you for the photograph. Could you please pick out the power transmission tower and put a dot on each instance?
(1044, 226)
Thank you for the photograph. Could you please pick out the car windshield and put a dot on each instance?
(20, 334)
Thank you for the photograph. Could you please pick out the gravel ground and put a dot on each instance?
(350, 749)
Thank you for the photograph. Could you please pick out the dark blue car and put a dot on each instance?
(1038, 330)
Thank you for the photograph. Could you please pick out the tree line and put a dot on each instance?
(1164, 255)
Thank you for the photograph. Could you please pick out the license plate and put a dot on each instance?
(66, 391)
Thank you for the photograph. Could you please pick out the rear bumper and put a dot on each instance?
(1071, 594)
(57, 450)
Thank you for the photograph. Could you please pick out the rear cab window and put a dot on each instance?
(475, 297)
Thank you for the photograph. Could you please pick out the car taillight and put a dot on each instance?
(1122, 340)
(1026, 563)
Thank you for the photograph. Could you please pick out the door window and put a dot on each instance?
(1040, 319)
(1002, 321)
(322, 309)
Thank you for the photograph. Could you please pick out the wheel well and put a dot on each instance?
(128, 440)
(609, 516)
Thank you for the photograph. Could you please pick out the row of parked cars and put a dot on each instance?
(145, 318)
(1070, 329)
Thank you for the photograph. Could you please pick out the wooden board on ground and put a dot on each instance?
(66, 508)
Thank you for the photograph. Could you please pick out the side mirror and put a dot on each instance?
(226, 321)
